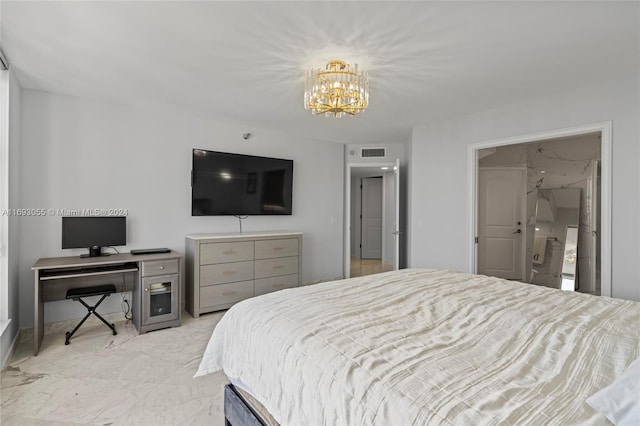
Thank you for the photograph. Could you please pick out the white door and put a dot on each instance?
(593, 253)
(501, 223)
(396, 223)
(391, 234)
(372, 218)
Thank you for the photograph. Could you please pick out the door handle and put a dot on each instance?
(519, 231)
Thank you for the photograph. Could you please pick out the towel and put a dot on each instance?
(539, 249)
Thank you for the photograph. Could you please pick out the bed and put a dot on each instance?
(418, 347)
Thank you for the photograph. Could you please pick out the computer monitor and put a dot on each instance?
(93, 233)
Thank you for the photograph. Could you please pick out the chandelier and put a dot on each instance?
(336, 90)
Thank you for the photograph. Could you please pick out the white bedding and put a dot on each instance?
(418, 347)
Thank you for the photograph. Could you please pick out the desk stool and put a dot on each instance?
(77, 293)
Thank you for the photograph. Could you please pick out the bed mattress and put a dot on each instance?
(417, 347)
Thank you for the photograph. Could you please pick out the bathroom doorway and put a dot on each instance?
(567, 220)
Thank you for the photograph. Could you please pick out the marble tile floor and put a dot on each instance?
(101, 379)
(362, 267)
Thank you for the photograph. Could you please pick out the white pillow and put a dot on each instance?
(620, 401)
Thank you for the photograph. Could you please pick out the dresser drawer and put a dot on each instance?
(226, 252)
(226, 273)
(216, 295)
(274, 267)
(267, 285)
(160, 267)
(267, 249)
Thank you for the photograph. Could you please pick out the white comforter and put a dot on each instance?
(419, 347)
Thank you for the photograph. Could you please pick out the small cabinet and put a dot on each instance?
(158, 301)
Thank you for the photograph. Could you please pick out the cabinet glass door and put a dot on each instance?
(160, 301)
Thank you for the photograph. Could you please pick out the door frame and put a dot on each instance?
(347, 210)
(605, 130)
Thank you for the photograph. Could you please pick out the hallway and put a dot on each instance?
(362, 267)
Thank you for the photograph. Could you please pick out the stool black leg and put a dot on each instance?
(111, 326)
(68, 335)
(91, 310)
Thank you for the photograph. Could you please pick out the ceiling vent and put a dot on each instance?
(373, 153)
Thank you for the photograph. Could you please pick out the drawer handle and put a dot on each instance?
(228, 293)
(278, 266)
(161, 266)
(229, 252)
(228, 272)
(278, 248)
(278, 285)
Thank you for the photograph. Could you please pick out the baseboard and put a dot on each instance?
(12, 348)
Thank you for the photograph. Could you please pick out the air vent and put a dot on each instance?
(373, 153)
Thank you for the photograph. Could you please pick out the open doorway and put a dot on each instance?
(372, 217)
(370, 224)
(368, 202)
(566, 225)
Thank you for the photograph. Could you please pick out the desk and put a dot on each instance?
(136, 273)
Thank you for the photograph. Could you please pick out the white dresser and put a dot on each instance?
(223, 269)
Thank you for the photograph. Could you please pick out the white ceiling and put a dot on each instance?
(245, 61)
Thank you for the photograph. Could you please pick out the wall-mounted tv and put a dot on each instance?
(235, 184)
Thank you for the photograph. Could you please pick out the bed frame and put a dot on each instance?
(238, 411)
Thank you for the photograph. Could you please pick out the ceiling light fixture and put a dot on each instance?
(336, 90)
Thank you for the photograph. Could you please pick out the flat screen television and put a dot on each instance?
(235, 184)
(93, 233)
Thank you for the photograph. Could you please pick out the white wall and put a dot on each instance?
(406, 190)
(78, 153)
(439, 176)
